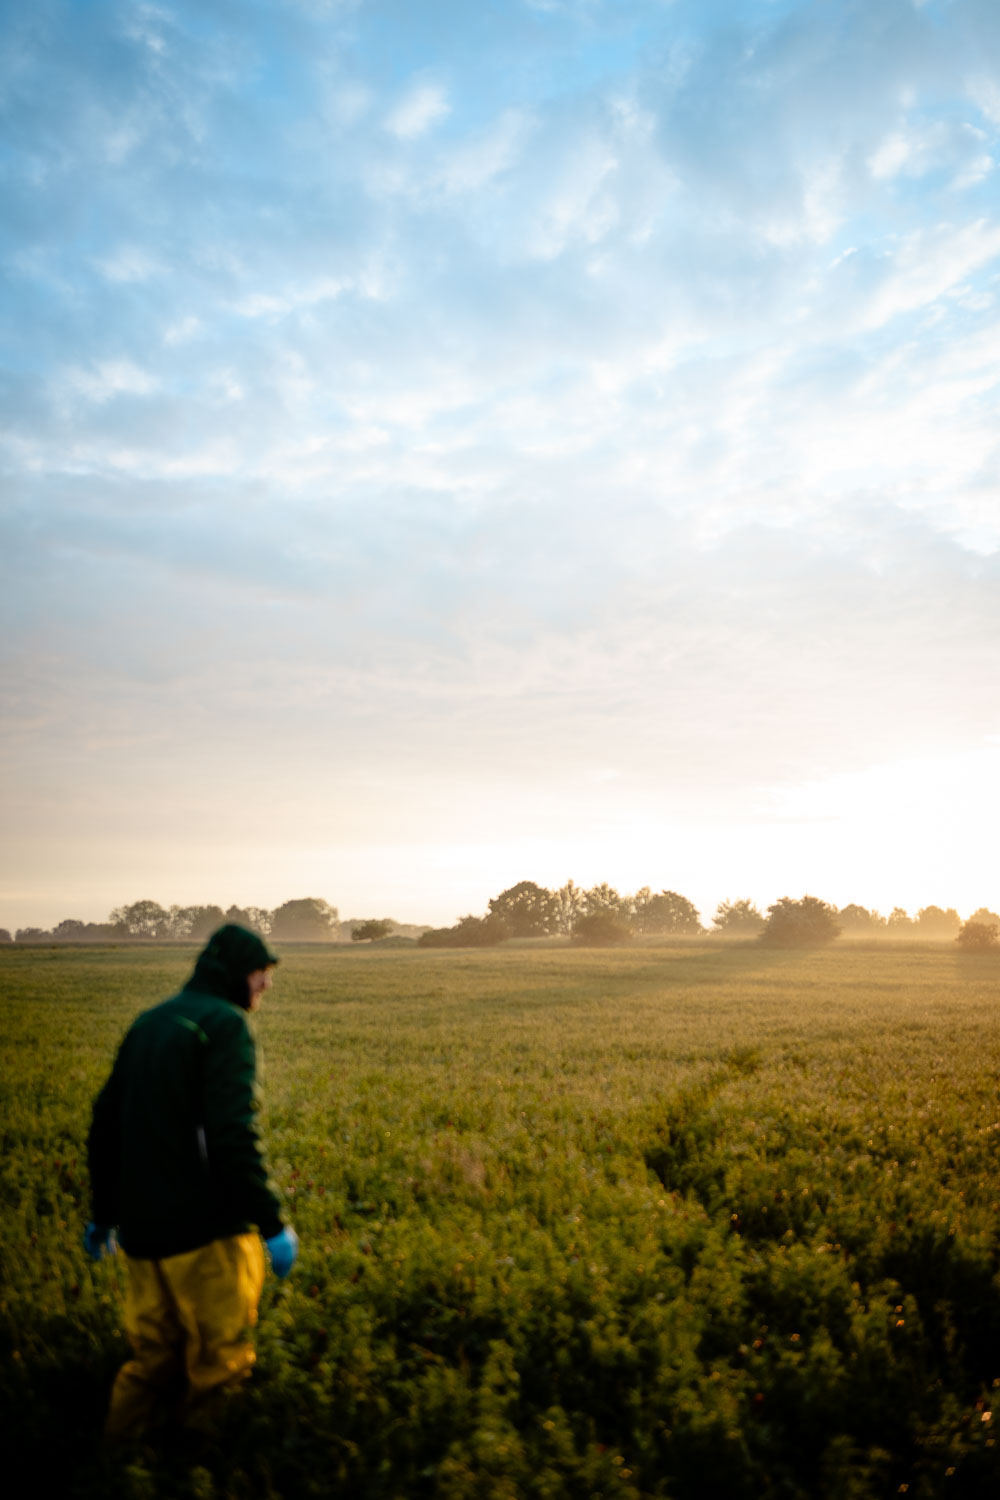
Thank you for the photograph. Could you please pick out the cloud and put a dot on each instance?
(423, 106)
(184, 329)
(130, 263)
(277, 304)
(915, 150)
(480, 159)
(110, 378)
(928, 264)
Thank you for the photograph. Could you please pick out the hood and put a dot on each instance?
(227, 958)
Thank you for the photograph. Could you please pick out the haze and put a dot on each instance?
(451, 444)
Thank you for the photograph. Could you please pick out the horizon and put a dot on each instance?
(705, 914)
(448, 445)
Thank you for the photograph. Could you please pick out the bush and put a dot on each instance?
(800, 924)
(979, 935)
(933, 922)
(308, 919)
(858, 921)
(599, 929)
(371, 930)
(468, 932)
(666, 913)
(737, 919)
(525, 910)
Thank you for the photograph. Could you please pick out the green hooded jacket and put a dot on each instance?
(174, 1154)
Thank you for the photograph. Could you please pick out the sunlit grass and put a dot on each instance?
(573, 1223)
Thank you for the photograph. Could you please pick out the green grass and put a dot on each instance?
(680, 1220)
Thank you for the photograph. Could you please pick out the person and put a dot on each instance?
(178, 1174)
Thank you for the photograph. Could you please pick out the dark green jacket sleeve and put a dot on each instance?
(104, 1153)
(235, 1155)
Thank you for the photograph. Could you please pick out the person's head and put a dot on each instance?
(236, 964)
(259, 980)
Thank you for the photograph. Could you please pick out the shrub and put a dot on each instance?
(666, 913)
(858, 921)
(800, 924)
(308, 919)
(468, 932)
(600, 929)
(738, 919)
(933, 922)
(526, 910)
(979, 935)
(371, 930)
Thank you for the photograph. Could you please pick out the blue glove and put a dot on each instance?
(99, 1240)
(283, 1249)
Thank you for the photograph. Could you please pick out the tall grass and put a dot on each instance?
(687, 1219)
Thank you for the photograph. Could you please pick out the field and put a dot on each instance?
(681, 1221)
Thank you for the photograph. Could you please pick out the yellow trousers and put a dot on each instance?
(186, 1318)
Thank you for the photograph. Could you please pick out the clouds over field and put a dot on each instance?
(542, 397)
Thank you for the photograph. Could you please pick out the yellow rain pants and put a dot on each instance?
(186, 1318)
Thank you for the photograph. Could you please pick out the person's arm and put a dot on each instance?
(235, 1155)
(104, 1153)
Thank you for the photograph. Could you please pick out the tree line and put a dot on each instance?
(602, 916)
(308, 919)
(597, 916)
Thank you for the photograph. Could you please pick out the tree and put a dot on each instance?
(936, 924)
(738, 919)
(569, 906)
(985, 915)
(31, 935)
(255, 917)
(899, 924)
(143, 919)
(468, 932)
(69, 930)
(195, 924)
(371, 930)
(856, 921)
(604, 900)
(600, 929)
(666, 913)
(308, 920)
(979, 935)
(805, 923)
(480, 932)
(5, 936)
(435, 937)
(526, 910)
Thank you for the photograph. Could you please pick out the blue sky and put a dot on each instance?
(449, 444)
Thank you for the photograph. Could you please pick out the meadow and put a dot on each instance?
(685, 1220)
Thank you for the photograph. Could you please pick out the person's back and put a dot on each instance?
(176, 1164)
(181, 1097)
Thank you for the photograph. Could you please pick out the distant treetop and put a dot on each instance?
(805, 923)
(738, 919)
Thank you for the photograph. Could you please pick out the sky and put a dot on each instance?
(443, 445)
